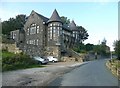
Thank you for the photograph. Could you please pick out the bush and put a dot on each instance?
(12, 61)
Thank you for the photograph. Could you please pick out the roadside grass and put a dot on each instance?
(11, 61)
(19, 67)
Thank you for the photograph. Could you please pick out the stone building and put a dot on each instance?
(46, 36)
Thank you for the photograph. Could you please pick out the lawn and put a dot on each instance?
(11, 61)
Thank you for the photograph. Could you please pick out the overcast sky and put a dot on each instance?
(100, 19)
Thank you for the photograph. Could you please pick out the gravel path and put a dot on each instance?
(37, 76)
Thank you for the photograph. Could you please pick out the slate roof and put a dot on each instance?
(45, 19)
(65, 26)
(72, 25)
(55, 17)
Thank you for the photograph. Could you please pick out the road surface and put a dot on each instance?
(94, 73)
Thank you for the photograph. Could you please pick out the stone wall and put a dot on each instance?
(11, 48)
(53, 51)
(74, 56)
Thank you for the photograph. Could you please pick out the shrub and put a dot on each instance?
(12, 61)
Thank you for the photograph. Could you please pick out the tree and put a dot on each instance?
(96, 48)
(83, 33)
(65, 20)
(89, 47)
(117, 48)
(13, 24)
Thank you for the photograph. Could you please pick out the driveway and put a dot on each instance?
(37, 76)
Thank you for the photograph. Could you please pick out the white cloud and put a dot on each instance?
(5, 14)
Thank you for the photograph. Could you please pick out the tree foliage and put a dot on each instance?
(13, 24)
(65, 20)
(117, 48)
(83, 33)
(89, 47)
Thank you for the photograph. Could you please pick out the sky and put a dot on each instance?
(100, 19)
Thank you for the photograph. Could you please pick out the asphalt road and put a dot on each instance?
(94, 73)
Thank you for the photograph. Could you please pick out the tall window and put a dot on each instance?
(30, 41)
(37, 29)
(33, 29)
(50, 33)
(27, 42)
(37, 42)
(28, 31)
(54, 33)
(50, 24)
(33, 42)
(73, 34)
(58, 30)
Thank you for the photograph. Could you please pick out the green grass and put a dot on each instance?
(20, 67)
(11, 61)
(7, 54)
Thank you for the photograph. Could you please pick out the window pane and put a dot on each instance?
(37, 29)
(28, 31)
(51, 33)
(37, 42)
(50, 24)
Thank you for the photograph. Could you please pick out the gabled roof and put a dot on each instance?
(45, 19)
(72, 25)
(55, 17)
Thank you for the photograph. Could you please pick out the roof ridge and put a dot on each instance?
(43, 17)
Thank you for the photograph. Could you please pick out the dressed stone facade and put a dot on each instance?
(46, 36)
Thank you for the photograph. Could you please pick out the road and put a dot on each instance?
(94, 73)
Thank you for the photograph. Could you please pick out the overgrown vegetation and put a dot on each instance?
(114, 66)
(13, 24)
(11, 61)
(100, 49)
(6, 39)
(117, 49)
